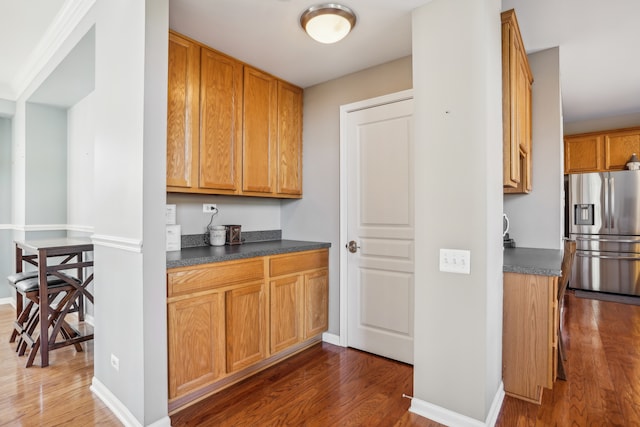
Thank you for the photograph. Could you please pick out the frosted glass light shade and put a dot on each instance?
(328, 23)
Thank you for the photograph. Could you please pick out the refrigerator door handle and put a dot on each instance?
(625, 258)
(607, 214)
(595, 239)
(612, 196)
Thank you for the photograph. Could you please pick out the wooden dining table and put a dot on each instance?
(71, 255)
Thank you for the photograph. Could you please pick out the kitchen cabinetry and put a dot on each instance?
(231, 319)
(299, 297)
(231, 129)
(516, 108)
(530, 338)
(183, 124)
(272, 142)
(600, 151)
(246, 323)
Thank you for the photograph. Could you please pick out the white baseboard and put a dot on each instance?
(8, 300)
(331, 338)
(118, 408)
(450, 418)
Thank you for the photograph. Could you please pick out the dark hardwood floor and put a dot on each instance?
(328, 385)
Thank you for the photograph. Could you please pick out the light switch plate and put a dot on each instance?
(455, 261)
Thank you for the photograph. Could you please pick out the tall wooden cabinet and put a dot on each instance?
(183, 124)
(516, 108)
(600, 151)
(231, 129)
(220, 123)
(231, 319)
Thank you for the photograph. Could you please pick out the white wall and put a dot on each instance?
(605, 123)
(458, 134)
(129, 197)
(536, 219)
(252, 213)
(80, 141)
(317, 216)
(128, 109)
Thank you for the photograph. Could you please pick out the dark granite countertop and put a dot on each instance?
(542, 262)
(208, 254)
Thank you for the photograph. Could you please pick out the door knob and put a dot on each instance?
(353, 246)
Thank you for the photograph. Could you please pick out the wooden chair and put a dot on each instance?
(567, 263)
(25, 325)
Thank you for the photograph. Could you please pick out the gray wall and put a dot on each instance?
(537, 218)
(252, 213)
(46, 165)
(317, 216)
(458, 147)
(6, 235)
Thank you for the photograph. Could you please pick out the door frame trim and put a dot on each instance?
(344, 111)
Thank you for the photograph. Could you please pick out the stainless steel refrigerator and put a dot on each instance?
(604, 219)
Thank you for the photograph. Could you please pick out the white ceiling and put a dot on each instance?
(598, 40)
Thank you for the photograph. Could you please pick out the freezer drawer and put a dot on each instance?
(607, 243)
(612, 272)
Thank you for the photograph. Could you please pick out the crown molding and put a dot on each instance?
(64, 23)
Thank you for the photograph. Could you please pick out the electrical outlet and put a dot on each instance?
(455, 261)
(209, 207)
(115, 362)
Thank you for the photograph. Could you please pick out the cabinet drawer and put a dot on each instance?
(222, 274)
(295, 263)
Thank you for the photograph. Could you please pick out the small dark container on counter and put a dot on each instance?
(234, 234)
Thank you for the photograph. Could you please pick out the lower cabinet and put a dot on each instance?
(229, 320)
(195, 324)
(246, 326)
(529, 335)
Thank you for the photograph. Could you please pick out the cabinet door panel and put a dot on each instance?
(619, 147)
(182, 112)
(316, 295)
(259, 136)
(583, 154)
(220, 116)
(289, 139)
(246, 326)
(285, 313)
(196, 343)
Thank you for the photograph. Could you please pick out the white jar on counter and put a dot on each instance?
(217, 235)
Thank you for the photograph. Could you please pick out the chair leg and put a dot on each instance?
(28, 332)
(19, 324)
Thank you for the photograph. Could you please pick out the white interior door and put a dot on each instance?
(380, 229)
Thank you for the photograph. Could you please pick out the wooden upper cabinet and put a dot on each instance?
(516, 108)
(182, 112)
(600, 151)
(231, 129)
(583, 154)
(619, 146)
(260, 132)
(221, 118)
(289, 139)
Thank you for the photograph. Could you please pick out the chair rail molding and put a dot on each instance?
(117, 242)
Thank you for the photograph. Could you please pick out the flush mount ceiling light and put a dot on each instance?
(328, 23)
